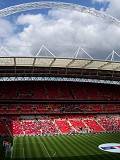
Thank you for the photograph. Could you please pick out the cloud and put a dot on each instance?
(113, 7)
(6, 28)
(61, 31)
(100, 1)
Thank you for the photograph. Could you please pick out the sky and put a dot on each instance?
(62, 32)
(89, 3)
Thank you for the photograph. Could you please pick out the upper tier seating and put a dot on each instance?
(58, 90)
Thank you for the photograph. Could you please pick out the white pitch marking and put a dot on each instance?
(46, 150)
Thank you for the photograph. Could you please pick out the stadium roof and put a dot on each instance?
(59, 63)
(35, 68)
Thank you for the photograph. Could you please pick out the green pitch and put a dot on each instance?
(82, 147)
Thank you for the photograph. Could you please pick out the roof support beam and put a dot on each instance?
(71, 62)
(87, 64)
(34, 62)
(52, 62)
(117, 68)
(14, 63)
(101, 67)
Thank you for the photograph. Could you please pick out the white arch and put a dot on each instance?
(56, 5)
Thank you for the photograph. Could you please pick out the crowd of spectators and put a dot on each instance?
(58, 90)
(58, 108)
(64, 124)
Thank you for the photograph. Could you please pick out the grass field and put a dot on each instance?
(74, 147)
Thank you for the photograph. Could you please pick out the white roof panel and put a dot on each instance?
(95, 64)
(7, 61)
(24, 61)
(111, 66)
(42, 62)
(79, 63)
(117, 68)
(61, 62)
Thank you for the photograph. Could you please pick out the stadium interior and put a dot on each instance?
(59, 106)
(49, 108)
(44, 108)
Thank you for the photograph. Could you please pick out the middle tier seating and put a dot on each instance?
(58, 108)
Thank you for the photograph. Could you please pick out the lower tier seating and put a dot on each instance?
(94, 126)
(64, 124)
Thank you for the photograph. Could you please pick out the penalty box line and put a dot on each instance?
(46, 150)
